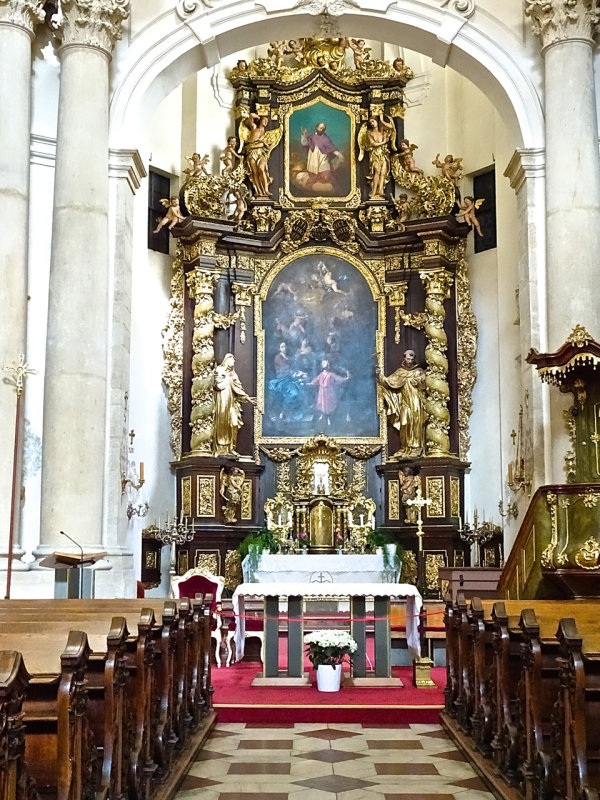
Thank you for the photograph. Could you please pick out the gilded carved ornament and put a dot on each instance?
(94, 23)
(24, 13)
(172, 345)
(434, 194)
(466, 334)
(293, 60)
(560, 20)
(319, 223)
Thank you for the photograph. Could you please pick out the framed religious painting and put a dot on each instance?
(320, 154)
(320, 322)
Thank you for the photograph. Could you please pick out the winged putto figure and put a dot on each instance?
(466, 213)
(173, 215)
(257, 145)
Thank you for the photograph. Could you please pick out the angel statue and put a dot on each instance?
(359, 52)
(229, 157)
(240, 193)
(375, 137)
(232, 487)
(276, 52)
(258, 144)
(466, 213)
(407, 158)
(197, 165)
(173, 215)
(451, 168)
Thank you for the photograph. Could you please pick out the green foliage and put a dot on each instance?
(260, 540)
(379, 537)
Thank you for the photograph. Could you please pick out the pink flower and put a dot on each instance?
(303, 535)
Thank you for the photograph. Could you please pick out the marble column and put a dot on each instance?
(75, 391)
(18, 20)
(566, 29)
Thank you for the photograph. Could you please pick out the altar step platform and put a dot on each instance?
(236, 699)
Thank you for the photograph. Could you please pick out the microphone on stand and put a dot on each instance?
(62, 533)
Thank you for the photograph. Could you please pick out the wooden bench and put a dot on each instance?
(146, 693)
(506, 667)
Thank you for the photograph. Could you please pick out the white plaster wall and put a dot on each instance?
(152, 272)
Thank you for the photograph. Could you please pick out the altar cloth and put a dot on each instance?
(331, 591)
(330, 568)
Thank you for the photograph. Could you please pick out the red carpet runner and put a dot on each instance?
(236, 700)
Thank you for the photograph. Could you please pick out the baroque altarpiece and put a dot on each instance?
(319, 354)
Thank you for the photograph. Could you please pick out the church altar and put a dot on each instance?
(338, 568)
(297, 593)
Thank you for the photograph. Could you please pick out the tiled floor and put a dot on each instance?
(323, 762)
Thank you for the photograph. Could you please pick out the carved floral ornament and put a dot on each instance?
(94, 23)
(24, 13)
(559, 20)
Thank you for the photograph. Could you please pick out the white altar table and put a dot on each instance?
(331, 568)
(296, 593)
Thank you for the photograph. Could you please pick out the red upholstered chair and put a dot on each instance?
(197, 581)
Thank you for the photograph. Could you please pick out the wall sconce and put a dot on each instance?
(135, 481)
(512, 510)
(518, 478)
(139, 509)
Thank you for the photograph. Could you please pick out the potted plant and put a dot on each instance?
(327, 650)
(252, 546)
(392, 551)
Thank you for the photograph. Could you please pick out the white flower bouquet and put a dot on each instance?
(329, 647)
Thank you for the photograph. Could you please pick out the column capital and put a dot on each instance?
(525, 163)
(92, 23)
(560, 20)
(24, 14)
(127, 165)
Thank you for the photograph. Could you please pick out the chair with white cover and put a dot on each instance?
(254, 627)
(199, 581)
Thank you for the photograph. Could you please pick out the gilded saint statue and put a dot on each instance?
(258, 143)
(376, 137)
(229, 396)
(404, 396)
(408, 491)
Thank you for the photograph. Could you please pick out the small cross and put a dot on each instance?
(131, 435)
(419, 501)
(21, 369)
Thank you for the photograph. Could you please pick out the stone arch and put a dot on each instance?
(170, 49)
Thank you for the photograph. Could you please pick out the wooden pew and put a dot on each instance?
(163, 684)
(506, 670)
(15, 779)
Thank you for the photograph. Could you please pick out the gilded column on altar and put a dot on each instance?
(18, 22)
(73, 459)
(437, 284)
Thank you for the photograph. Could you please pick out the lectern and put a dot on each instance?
(74, 574)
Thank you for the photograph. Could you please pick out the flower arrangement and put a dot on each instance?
(329, 647)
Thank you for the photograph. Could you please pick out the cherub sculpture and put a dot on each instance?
(229, 156)
(197, 165)
(451, 168)
(360, 52)
(295, 48)
(240, 193)
(257, 145)
(173, 215)
(466, 213)
(276, 52)
(376, 137)
(403, 210)
(407, 158)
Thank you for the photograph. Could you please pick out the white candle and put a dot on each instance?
(459, 523)
(280, 519)
(362, 519)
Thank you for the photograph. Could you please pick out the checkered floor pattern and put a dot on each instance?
(323, 762)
